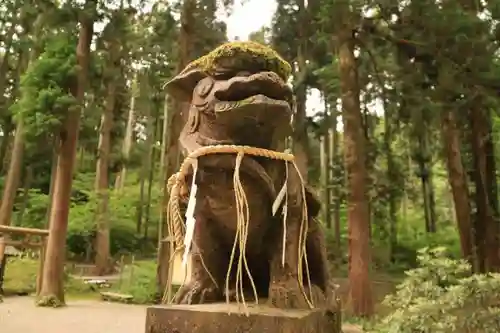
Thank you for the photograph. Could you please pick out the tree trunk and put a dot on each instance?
(300, 137)
(486, 225)
(423, 158)
(369, 161)
(129, 135)
(391, 200)
(457, 179)
(164, 140)
(13, 177)
(4, 69)
(354, 154)
(140, 204)
(102, 183)
(4, 63)
(325, 159)
(337, 183)
(53, 170)
(112, 71)
(7, 129)
(52, 291)
(151, 171)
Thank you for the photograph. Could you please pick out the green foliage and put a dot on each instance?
(35, 210)
(442, 296)
(123, 208)
(140, 282)
(21, 274)
(46, 89)
(122, 219)
(411, 237)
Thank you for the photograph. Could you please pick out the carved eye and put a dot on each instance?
(204, 86)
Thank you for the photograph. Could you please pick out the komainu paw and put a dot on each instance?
(288, 295)
(198, 292)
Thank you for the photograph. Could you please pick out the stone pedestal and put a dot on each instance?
(230, 318)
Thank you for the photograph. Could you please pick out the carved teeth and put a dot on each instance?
(224, 106)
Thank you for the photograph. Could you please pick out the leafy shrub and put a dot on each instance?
(123, 208)
(21, 274)
(140, 282)
(442, 296)
(123, 214)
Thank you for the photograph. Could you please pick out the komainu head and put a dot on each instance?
(239, 94)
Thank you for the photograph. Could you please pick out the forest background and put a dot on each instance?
(402, 149)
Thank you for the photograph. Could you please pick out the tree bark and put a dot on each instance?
(13, 177)
(52, 291)
(53, 170)
(150, 170)
(337, 182)
(164, 141)
(457, 179)
(301, 148)
(391, 200)
(129, 135)
(4, 63)
(354, 154)
(486, 225)
(102, 183)
(7, 128)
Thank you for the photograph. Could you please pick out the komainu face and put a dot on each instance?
(230, 104)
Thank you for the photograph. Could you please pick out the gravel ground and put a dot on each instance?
(19, 315)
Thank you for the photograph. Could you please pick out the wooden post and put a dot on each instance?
(41, 259)
(23, 231)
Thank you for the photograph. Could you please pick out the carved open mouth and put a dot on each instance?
(261, 88)
(235, 93)
(259, 99)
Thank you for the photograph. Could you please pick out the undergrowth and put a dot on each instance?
(442, 296)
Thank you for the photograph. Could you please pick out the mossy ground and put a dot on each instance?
(243, 55)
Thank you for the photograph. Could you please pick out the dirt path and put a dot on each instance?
(19, 314)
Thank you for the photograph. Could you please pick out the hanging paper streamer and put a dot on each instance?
(190, 219)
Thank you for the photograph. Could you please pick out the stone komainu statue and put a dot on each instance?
(238, 97)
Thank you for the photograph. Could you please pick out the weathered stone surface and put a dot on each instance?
(228, 318)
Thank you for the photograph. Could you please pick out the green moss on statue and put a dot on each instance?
(242, 55)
